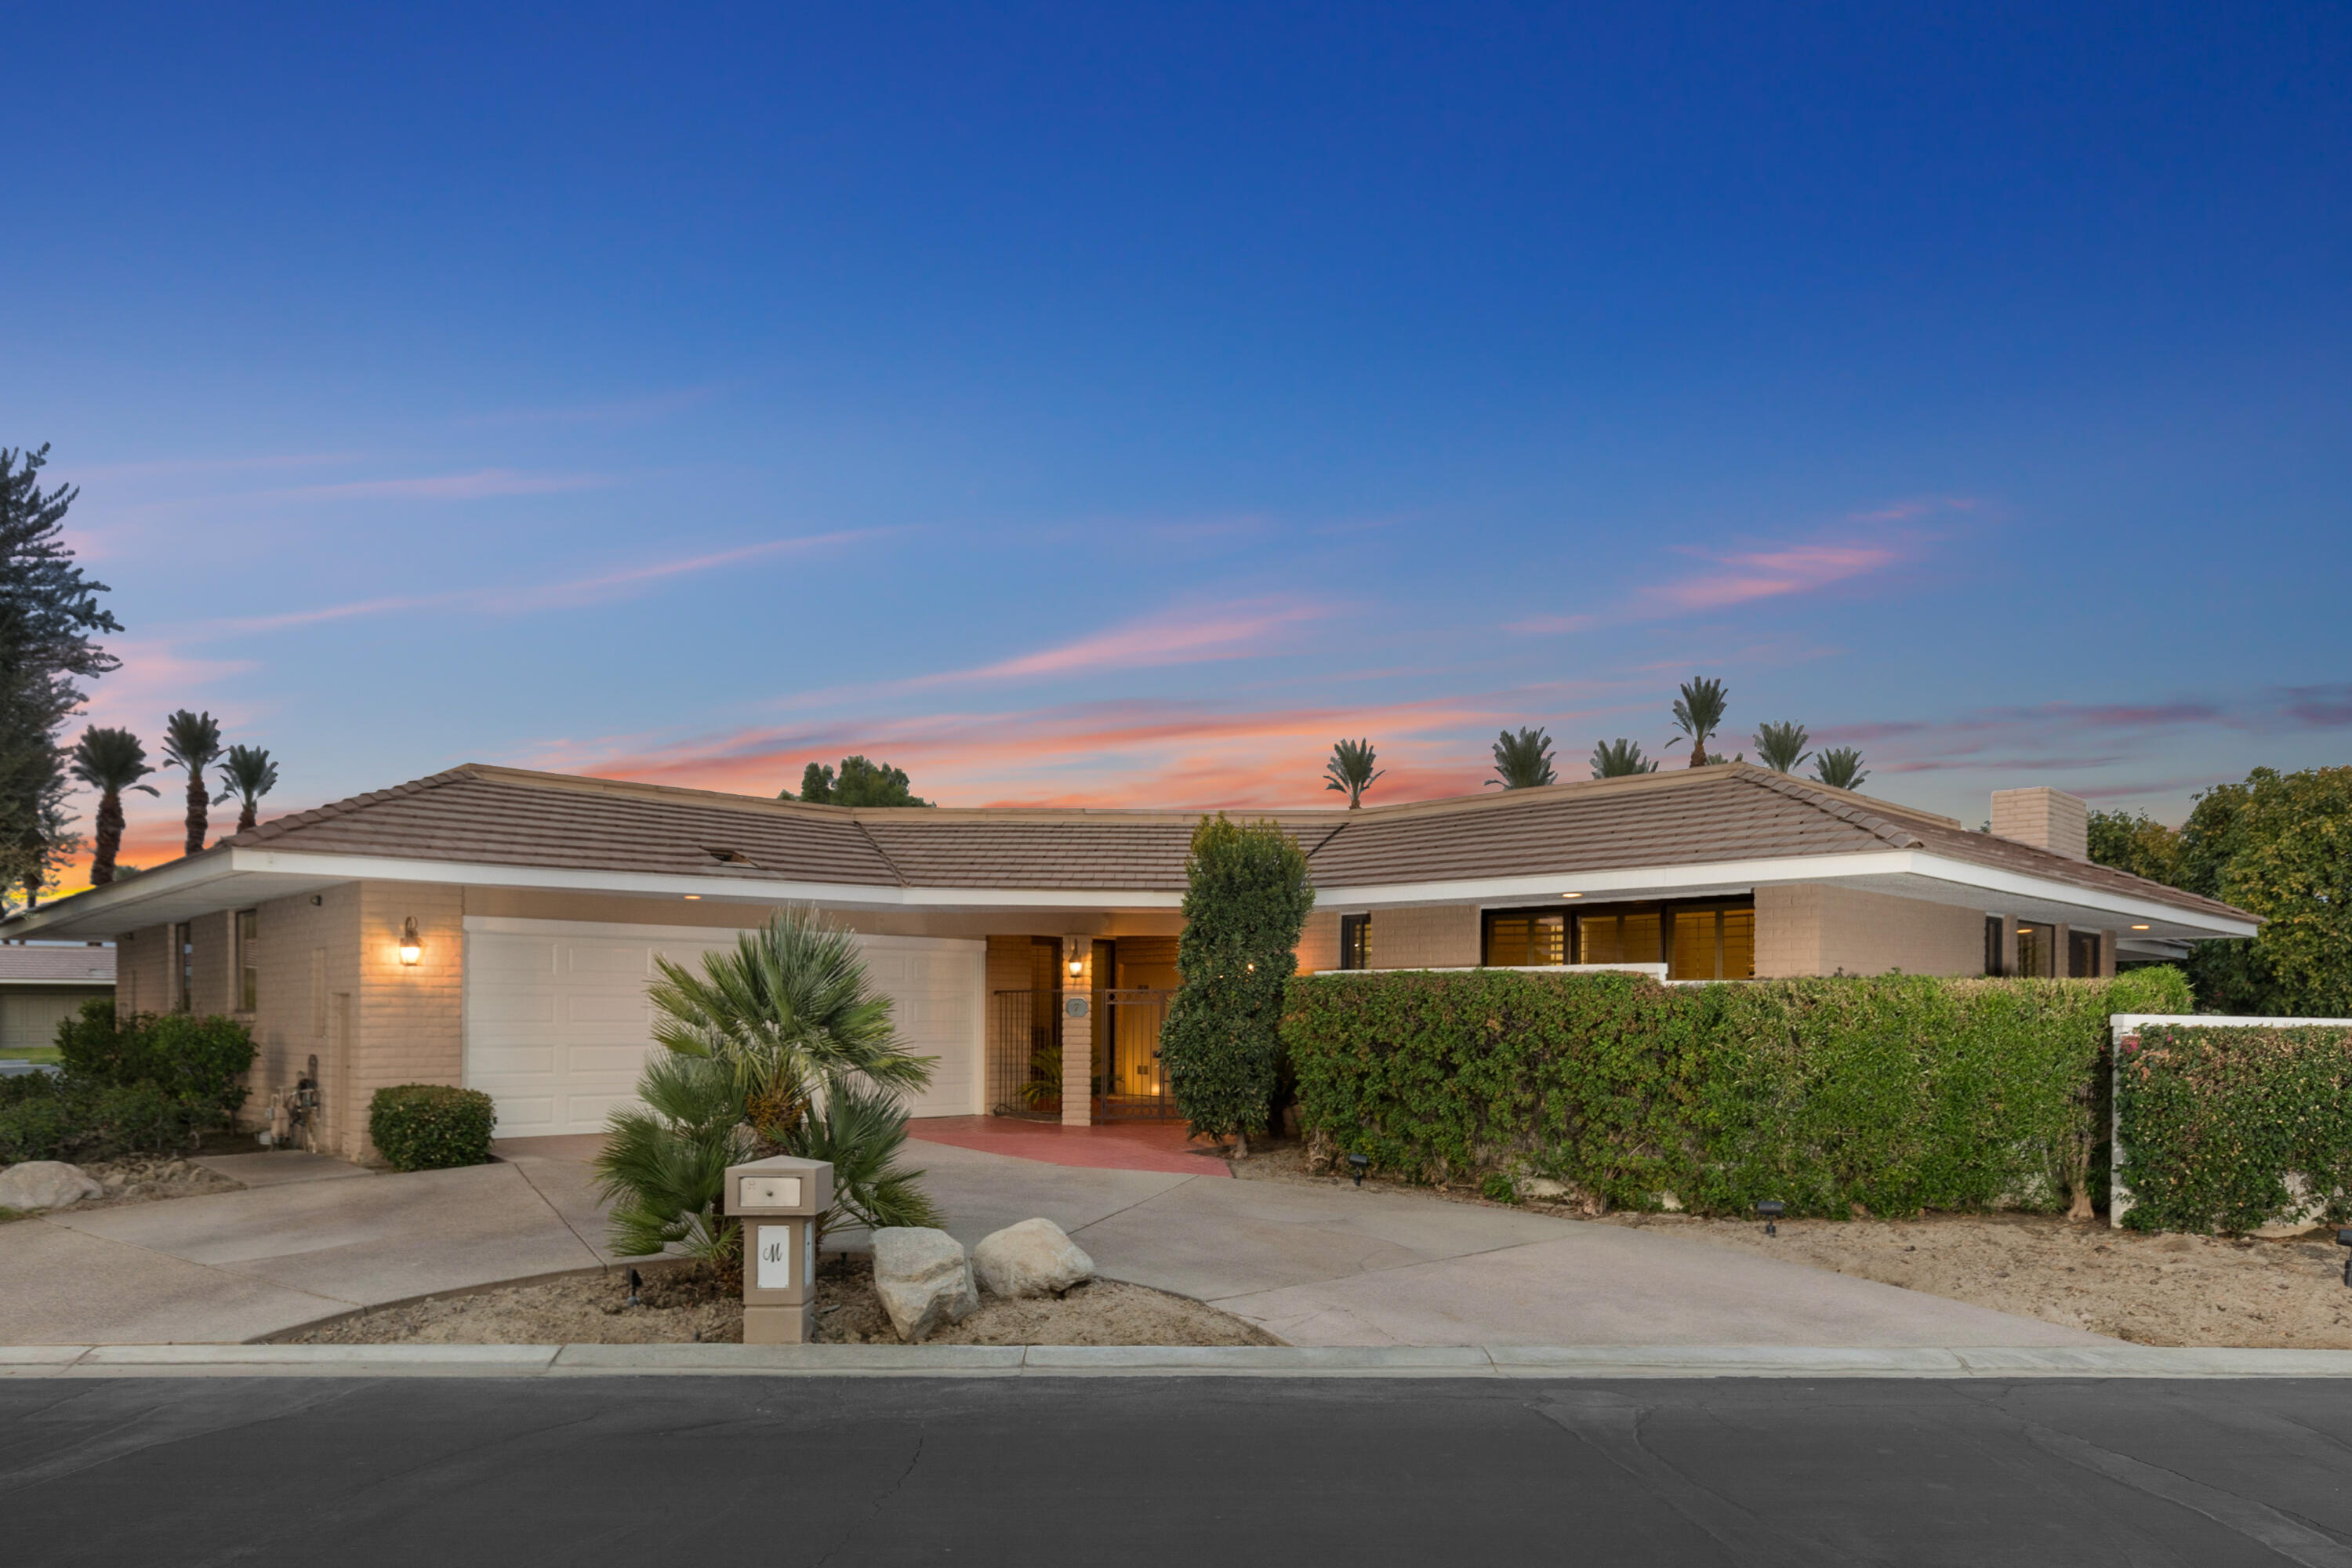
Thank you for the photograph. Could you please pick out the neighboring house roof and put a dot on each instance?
(1745, 820)
(79, 965)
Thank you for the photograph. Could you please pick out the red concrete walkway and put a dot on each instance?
(1119, 1146)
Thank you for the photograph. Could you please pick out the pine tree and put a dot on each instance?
(49, 617)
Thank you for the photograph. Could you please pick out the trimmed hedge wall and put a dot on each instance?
(431, 1126)
(1897, 1093)
(2214, 1117)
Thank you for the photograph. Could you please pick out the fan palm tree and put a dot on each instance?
(1615, 759)
(1522, 761)
(110, 762)
(192, 742)
(779, 1046)
(1350, 770)
(1840, 767)
(1782, 746)
(247, 775)
(1699, 713)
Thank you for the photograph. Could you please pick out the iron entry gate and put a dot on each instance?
(1029, 1031)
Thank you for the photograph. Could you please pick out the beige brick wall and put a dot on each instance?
(2044, 817)
(213, 966)
(1812, 928)
(142, 971)
(407, 1024)
(1444, 937)
(1319, 944)
(309, 955)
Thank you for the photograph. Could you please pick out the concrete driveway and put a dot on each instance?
(310, 1239)
(1332, 1265)
(1314, 1265)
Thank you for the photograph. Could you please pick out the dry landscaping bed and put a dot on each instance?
(141, 1179)
(2155, 1289)
(679, 1305)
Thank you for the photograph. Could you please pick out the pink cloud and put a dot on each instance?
(567, 595)
(1551, 625)
(1766, 575)
(1909, 510)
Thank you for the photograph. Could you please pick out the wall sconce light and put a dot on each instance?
(1078, 967)
(412, 946)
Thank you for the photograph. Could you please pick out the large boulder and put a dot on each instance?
(924, 1281)
(1034, 1258)
(45, 1184)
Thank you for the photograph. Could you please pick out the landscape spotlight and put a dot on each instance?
(1771, 1209)
(1360, 1163)
(634, 1282)
(2344, 1238)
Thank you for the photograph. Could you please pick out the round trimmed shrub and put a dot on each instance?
(431, 1126)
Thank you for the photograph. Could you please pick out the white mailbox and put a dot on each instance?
(779, 1201)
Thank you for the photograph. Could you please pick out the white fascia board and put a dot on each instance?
(146, 888)
(1715, 876)
(2045, 891)
(743, 889)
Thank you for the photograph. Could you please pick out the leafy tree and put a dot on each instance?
(1350, 770)
(247, 775)
(110, 762)
(1616, 759)
(1781, 747)
(1699, 713)
(1523, 761)
(860, 783)
(1840, 767)
(2278, 845)
(191, 741)
(2138, 843)
(49, 617)
(1246, 897)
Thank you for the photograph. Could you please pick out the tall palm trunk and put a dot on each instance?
(1698, 753)
(197, 820)
(245, 818)
(109, 838)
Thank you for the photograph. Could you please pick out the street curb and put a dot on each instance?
(1514, 1361)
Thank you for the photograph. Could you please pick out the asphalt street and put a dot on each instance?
(1225, 1471)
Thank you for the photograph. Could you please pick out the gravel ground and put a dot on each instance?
(144, 1179)
(2155, 1289)
(679, 1305)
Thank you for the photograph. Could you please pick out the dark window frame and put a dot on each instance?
(1571, 918)
(1355, 942)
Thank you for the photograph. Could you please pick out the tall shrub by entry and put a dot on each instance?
(1247, 896)
(1897, 1092)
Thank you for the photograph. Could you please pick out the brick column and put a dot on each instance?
(1077, 1033)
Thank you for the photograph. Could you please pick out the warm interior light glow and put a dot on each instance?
(412, 946)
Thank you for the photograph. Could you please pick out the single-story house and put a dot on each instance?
(497, 928)
(44, 983)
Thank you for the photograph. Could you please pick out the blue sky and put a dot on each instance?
(1119, 404)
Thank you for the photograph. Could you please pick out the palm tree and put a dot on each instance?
(1840, 767)
(1699, 713)
(1616, 759)
(248, 775)
(192, 742)
(1522, 761)
(110, 762)
(1782, 746)
(1350, 770)
(779, 1046)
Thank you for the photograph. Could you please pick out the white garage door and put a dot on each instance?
(558, 1028)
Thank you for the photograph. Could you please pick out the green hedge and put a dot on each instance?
(1897, 1093)
(44, 1116)
(431, 1126)
(2214, 1117)
(202, 1061)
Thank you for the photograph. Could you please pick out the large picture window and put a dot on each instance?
(1700, 940)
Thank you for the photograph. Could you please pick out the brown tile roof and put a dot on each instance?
(79, 965)
(509, 817)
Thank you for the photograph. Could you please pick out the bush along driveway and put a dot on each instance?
(247, 1265)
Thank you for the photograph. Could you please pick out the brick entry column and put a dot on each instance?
(1078, 1033)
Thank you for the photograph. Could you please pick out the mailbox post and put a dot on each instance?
(779, 1200)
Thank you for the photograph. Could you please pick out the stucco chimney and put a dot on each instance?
(2046, 818)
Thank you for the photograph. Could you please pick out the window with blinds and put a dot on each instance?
(1355, 942)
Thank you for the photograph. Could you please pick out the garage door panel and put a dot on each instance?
(558, 1028)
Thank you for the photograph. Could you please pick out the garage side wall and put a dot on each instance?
(307, 961)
